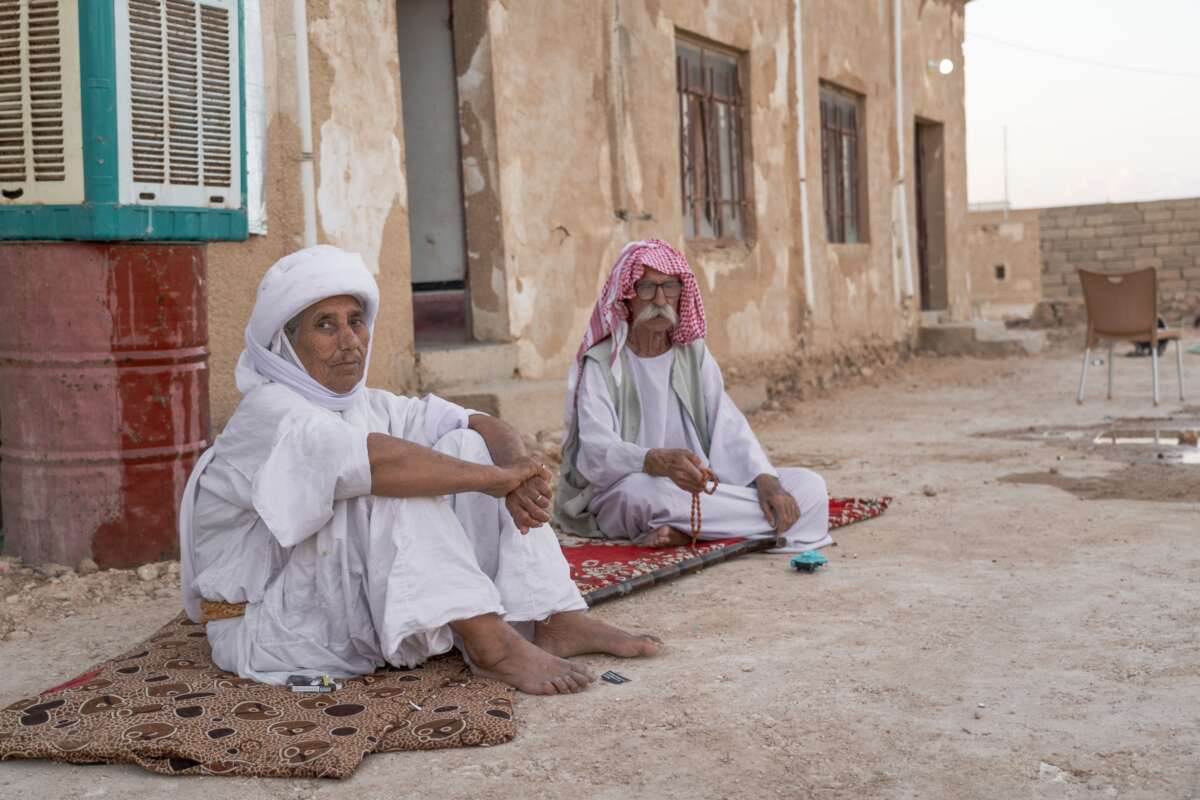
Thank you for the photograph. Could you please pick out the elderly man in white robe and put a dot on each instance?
(648, 420)
(334, 528)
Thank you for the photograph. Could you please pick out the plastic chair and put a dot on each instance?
(1123, 307)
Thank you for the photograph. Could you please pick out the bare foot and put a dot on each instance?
(666, 536)
(497, 651)
(574, 633)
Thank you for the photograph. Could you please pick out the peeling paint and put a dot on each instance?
(361, 171)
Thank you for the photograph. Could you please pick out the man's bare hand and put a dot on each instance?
(778, 506)
(683, 467)
(507, 479)
(529, 503)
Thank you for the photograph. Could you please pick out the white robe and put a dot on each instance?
(630, 503)
(339, 581)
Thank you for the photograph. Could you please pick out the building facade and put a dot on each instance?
(489, 159)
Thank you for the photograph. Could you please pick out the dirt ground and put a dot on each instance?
(996, 634)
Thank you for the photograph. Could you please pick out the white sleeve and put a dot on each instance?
(316, 460)
(735, 454)
(442, 416)
(603, 458)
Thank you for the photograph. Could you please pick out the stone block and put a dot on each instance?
(1172, 286)
(1127, 216)
(1188, 215)
(1156, 239)
(452, 366)
(1188, 273)
(1055, 292)
(1098, 220)
(1158, 215)
(1165, 274)
(1109, 255)
(1186, 237)
(1168, 250)
(529, 406)
(1119, 242)
(1081, 233)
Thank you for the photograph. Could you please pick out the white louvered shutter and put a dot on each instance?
(178, 102)
(41, 140)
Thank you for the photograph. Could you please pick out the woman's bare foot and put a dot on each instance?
(497, 651)
(666, 536)
(573, 633)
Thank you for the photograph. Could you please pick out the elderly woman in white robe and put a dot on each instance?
(648, 417)
(334, 528)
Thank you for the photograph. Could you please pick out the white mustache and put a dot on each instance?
(653, 312)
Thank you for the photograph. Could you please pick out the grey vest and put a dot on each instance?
(574, 493)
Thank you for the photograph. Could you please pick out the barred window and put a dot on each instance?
(710, 142)
(842, 173)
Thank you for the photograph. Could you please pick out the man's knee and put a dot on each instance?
(464, 444)
(629, 504)
(803, 484)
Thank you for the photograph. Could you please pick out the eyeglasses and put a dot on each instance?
(648, 291)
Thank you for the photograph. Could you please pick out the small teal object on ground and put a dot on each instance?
(809, 562)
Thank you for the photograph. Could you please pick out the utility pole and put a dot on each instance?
(1006, 173)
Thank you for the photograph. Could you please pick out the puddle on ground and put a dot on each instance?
(1174, 445)
(1171, 440)
(1153, 483)
(1149, 447)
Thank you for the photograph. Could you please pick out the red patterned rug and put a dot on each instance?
(606, 569)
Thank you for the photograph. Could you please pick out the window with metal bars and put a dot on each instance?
(711, 136)
(842, 167)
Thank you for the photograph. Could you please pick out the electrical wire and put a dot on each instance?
(1088, 61)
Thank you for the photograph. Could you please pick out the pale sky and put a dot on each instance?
(1079, 133)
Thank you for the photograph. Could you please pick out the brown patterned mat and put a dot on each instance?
(165, 706)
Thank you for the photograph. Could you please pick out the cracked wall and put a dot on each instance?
(360, 188)
(569, 134)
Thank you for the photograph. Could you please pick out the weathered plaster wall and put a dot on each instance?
(587, 143)
(850, 44)
(361, 201)
(570, 129)
(1013, 241)
(934, 30)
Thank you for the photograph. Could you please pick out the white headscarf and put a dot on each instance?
(291, 285)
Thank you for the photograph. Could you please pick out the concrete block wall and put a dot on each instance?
(1117, 237)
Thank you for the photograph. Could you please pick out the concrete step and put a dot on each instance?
(446, 367)
(529, 406)
(978, 338)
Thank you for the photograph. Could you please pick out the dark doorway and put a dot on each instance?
(433, 169)
(931, 215)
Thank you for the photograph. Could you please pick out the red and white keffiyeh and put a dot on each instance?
(611, 315)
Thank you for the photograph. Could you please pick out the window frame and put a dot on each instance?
(702, 102)
(836, 101)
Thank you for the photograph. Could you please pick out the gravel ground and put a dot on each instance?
(1021, 624)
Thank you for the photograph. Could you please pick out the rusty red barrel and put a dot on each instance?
(103, 397)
